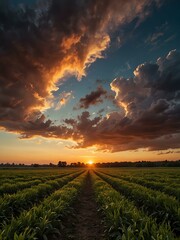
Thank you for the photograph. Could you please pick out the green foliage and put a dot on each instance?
(42, 220)
(154, 182)
(13, 205)
(123, 219)
(164, 208)
(18, 184)
(137, 205)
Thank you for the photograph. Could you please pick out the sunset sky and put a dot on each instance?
(89, 80)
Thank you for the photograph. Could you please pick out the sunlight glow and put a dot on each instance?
(90, 162)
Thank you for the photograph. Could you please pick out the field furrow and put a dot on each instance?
(162, 207)
(44, 220)
(123, 219)
(8, 188)
(13, 205)
(170, 189)
(93, 203)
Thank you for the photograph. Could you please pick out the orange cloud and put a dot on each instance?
(64, 97)
(41, 46)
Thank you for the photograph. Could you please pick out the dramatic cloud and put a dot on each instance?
(93, 98)
(149, 115)
(41, 43)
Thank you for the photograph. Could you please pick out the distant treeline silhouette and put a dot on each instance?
(63, 164)
(140, 164)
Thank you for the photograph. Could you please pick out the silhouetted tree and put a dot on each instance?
(62, 164)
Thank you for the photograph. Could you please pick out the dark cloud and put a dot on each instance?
(42, 42)
(37, 125)
(149, 113)
(93, 98)
(167, 152)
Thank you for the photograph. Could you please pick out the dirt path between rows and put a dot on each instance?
(86, 224)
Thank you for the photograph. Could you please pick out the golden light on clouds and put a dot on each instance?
(40, 96)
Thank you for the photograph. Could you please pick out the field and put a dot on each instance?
(94, 203)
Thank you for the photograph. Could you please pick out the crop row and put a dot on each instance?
(154, 176)
(161, 178)
(34, 176)
(13, 205)
(172, 189)
(9, 188)
(18, 173)
(159, 205)
(44, 220)
(123, 219)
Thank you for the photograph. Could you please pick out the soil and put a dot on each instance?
(85, 223)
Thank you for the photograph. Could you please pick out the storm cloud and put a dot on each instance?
(149, 110)
(43, 42)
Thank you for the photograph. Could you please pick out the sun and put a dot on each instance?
(90, 162)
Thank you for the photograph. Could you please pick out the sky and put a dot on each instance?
(89, 80)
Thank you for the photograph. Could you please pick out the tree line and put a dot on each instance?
(63, 164)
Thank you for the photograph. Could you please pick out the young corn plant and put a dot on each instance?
(45, 219)
(13, 205)
(164, 208)
(123, 219)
